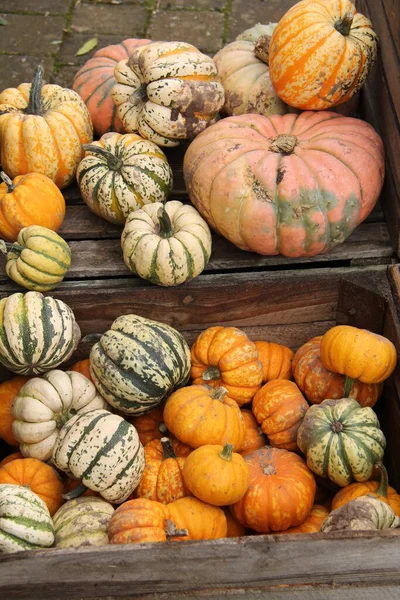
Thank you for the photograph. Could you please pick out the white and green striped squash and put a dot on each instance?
(104, 451)
(44, 404)
(38, 260)
(139, 362)
(82, 522)
(37, 333)
(25, 522)
(166, 244)
(121, 173)
(341, 440)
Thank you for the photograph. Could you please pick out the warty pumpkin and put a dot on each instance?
(366, 513)
(50, 123)
(312, 524)
(120, 174)
(82, 522)
(255, 438)
(224, 356)
(8, 391)
(295, 185)
(202, 521)
(38, 260)
(166, 244)
(276, 360)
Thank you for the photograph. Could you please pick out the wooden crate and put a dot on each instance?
(285, 307)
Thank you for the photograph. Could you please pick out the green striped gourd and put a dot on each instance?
(138, 362)
(166, 244)
(38, 260)
(25, 522)
(82, 522)
(37, 333)
(45, 403)
(104, 451)
(341, 440)
(121, 173)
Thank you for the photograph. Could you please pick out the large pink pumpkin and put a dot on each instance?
(94, 81)
(295, 185)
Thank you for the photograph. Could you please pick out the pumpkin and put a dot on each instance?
(39, 477)
(234, 528)
(82, 522)
(38, 260)
(94, 81)
(216, 475)
(167, 91)
(245, 77)
(380, 489)
(104, 451)
(199, 415)
(50, 123)
(321, 53)
(202, 521)
(33, 530)
(255, 438)
(163, 480)
(317, 383)
(150, 426)
(276, 360)
(122, 173)
(279, 408)
(45, 404)
(281, 491)
(31, 199)
(138, 362)
(341, 440)
(224, 356)
(166, 244)
(37, 333)
(358, 354)
(8, 391)
(312, 524)
(273, 192)
(155, 450)
(71, 484)
(82, 367)
(10, 458)
(364, 513)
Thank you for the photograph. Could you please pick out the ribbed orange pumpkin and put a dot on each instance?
(320, 53)
(150, 426)
(82, 367)
(235, 529)
(200, 415)
(138, 521)
(281, 491)
(42, 479)
(31, 199)
(8, 391)
(94, 81)
(312, 524)
(279, 408)
(318, 384)
(254, 439)
(203, 521)
(295, 185)
(154, 450)
(10, 458)
(224, 356)
(276, 360)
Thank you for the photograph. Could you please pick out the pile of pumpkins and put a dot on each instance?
(164, 442)
(271, 166)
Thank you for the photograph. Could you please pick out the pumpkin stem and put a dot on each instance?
(75, 493)
(348, 385)
(162, 428)
(211, 373)
(172, 531)
(113, 162)
(165, 228)
(382, 489)
(261, 48)
(337, 427)
(35, 96)
(168, 449)
(226, 452)
(6, 247)
(283, 143)
(219, 393)
(344, 24)
(62, 418)
(8, 182)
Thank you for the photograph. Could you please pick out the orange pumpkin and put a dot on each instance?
(318, 384)
(10, 458)
(321, 53)
(224, 356)
(150, 426)
(154, 449)
(31, 199)
(202, 521)
(276, 360)
(254, 436)
(8, 391)
(199, 415)
(281, 491)
(42, 479)
(313, 522)
(138, 521)
(71, 483)
(234, 528)
(163, 480)
(279, 407)
(82, 367)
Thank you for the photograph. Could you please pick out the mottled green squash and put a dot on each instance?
(82, 522)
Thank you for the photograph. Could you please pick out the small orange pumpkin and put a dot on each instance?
(42, 479)
(224, 356)
(234, 528)
(254, 436)
(10, 458)
(82, 367)
(8, 391)
(279, 407)
(137, 521)
(276, 360)
(154, 450)
(202, 521)
(313, 522)
(150, 426)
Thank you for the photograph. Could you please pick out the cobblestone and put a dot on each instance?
(19, 69)
(75, 41)
(36, 6)
(127, 20)
(31, 34)
(256, 11)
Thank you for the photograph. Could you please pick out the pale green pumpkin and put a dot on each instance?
(82, 522)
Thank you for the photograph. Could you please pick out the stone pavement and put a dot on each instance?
(50, 32)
